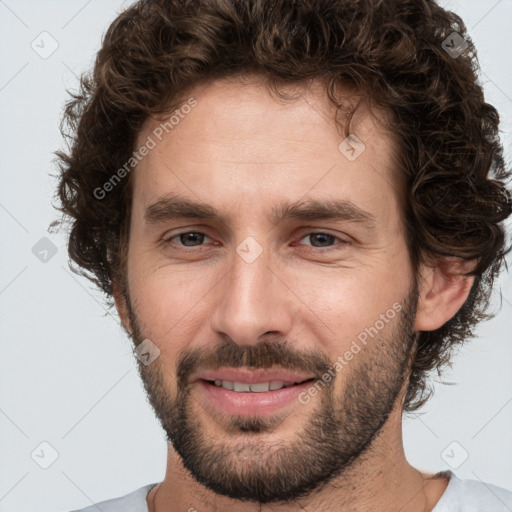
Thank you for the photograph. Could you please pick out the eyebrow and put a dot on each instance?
(177, 208)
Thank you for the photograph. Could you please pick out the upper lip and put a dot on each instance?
(250, 376)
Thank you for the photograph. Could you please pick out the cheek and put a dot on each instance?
(170, 303)
(337, 305)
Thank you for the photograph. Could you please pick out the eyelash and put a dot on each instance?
(322, 249)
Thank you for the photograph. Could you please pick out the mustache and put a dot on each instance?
(264, 355)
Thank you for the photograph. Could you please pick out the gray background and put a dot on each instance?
(67, 373)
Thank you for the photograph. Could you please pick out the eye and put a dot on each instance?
(195, 238)
(323, 239)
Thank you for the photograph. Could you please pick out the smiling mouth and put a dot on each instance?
(260, 387)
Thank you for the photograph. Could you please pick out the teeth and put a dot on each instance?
(227, 385)
(260, 387)
(240, 386)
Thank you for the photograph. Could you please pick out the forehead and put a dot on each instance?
(238, 139)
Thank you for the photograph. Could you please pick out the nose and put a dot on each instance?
(252, 300)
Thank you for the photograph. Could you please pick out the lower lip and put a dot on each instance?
(248, 403)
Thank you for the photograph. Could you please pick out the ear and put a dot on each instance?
(120, 303)
(443, 289)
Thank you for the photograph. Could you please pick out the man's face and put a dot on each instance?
(296, 296)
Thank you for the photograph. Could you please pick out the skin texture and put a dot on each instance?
(244, 152)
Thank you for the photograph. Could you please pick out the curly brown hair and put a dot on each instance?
(392, 52)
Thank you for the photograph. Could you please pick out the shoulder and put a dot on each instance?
(473, 496)
(133, 502)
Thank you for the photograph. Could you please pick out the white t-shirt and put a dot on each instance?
(459, 496)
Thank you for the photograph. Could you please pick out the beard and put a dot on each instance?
(338, 433)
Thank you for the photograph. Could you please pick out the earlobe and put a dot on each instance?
(443, 291)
